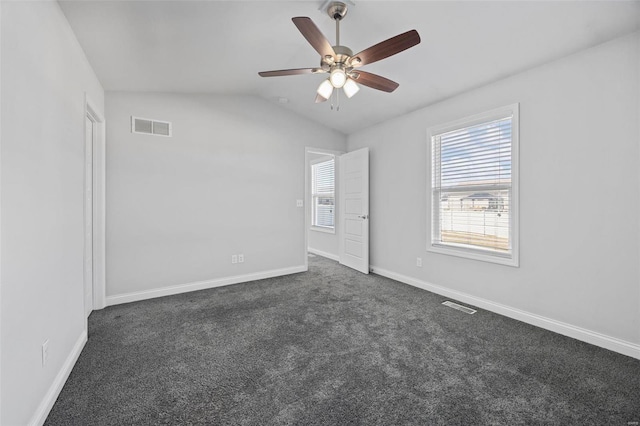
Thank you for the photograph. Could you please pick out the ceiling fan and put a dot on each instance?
(340, 62)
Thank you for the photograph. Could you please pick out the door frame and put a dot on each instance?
(308, 151)
(99, 203)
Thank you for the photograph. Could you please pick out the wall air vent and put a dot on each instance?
(150, 127)
(459, 307)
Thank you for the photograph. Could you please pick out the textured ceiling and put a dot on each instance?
(219, 47)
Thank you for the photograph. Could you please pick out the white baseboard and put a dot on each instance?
(612, 343)
(49, 399)
(200, 285)
(324, 254)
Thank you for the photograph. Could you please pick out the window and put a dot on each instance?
(474, 187)
(323, 194)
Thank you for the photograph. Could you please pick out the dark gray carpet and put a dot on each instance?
(334, 347)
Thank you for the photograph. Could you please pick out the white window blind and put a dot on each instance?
(472, 186)
(323, 193)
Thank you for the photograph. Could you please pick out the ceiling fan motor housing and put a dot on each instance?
(343, 54)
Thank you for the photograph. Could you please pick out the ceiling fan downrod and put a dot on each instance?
(337, 10)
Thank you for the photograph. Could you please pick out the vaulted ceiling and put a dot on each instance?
(219, 47)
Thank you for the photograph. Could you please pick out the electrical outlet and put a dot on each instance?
(45, 352)
(419, 262)
(299, 203)
(241, 258)
(234, 258)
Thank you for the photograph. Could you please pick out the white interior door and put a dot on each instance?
(354, 210)
(88, 215)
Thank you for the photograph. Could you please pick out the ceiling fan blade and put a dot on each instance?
(295, 71)
(320, 99)
(386, 48)
(374, 81)
(314, 36)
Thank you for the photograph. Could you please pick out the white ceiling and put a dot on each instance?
(219, 47)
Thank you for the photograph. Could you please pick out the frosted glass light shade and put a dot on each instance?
(350, 88)
(338, 78)
(325, 89)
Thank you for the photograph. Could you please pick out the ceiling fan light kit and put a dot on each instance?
(340, 62)
(350, 88)
(325, 90)
(338, 77)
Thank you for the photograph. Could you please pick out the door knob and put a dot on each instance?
(364, 216)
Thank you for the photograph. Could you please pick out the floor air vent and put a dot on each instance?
(150, 127)
(459, 307)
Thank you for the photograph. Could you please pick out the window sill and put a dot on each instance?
(322, 229)
(475, 255)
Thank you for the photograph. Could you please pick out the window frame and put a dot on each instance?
(469, 252)
(313, 226)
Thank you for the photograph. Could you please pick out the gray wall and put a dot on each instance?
(225, 183)
(44, 79)
(579, 193)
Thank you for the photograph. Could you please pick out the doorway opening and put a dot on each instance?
(321, 200)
